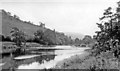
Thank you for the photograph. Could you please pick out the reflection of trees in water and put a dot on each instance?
(39, 59)
(35, 59)
(16, 53)
(47, 55)
(42, 58)
(45, 50)
(42, 52)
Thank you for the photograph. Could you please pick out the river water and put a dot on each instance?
(43, 59)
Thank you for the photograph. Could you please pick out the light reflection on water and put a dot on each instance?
(41, 59)
(60, 55)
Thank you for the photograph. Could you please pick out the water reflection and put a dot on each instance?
(58, 56)
(39, 62)
(27, 59)
(35, 63)
(39, 59)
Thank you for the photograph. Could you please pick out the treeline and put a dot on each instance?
(86, 41)
(108, 38)
(47, 37)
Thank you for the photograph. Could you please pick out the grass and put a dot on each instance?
(72, 61)
(86, 61)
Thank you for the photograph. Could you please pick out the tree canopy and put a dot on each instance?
(18, 36)
(108, 38)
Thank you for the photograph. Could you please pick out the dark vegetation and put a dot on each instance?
(108, 38)
(107, 45)
(86, 41)
(3, 38)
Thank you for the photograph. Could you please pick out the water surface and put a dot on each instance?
(44, 59)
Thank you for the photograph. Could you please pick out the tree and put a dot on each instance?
(87, 39)
(39, 36)
(108, 38)
(77, 41)
(18, 36)
(47, 37)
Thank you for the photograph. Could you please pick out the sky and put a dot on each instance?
(78, 16)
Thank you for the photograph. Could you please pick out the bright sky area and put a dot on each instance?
(79, 16)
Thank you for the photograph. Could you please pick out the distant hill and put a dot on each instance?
(8, 22)
(74, 35)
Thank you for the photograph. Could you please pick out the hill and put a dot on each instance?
(8, 22)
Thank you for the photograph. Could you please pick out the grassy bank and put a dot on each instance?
(87, 61)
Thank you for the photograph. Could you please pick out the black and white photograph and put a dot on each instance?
(60, 35)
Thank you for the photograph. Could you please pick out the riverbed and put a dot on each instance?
(39, 59)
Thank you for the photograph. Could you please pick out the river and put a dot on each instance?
(39, 59)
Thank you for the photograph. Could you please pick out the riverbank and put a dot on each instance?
(88, 61)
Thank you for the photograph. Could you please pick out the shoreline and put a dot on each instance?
(69, 61)
(88, 61)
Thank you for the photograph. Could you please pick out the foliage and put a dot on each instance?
(77, 40)
(39, 36)
(18, 36)
(5, 38)
(87, 39)
(46, 37)
(108, 38)
(2, 37)
(49, 37)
